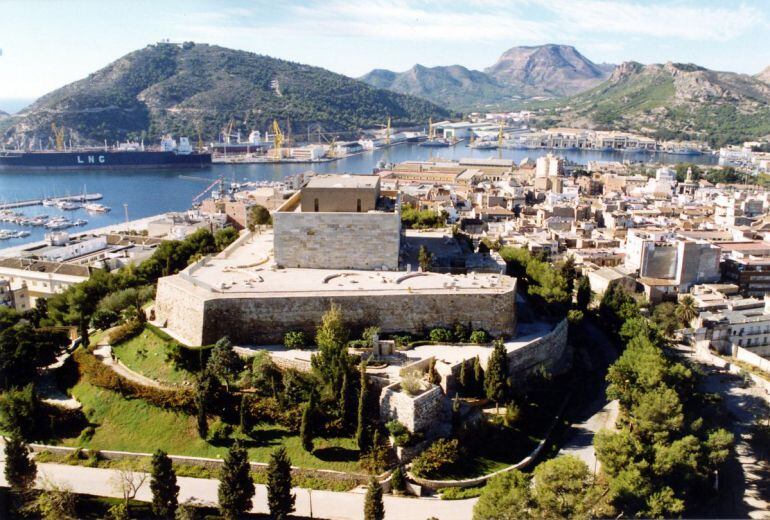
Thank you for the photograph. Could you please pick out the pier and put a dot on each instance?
(85, 197)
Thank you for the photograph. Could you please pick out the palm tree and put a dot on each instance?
(686, 310)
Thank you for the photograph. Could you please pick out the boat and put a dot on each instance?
(58, 223)
(168, 156)
(96, 208)
(484, 145)
(79, 222)
(49, 202)
(683, 151)
(437, 142)
(67, 205)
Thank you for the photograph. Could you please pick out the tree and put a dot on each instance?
(332, 361)
(505, 497)
(584, 294)
(280, 501)
(374, 509)
(425, 258)
(464, 379)
(224, 363)
(434, 377)
(344, 399)
(397, 480)
(205, 391)
(236, 486)
(20, 469)
(362, 425)
(686, 310)
(258, 216)
(664, 316)
(306, 427)
(127, 482)
(616, 450)
(19, 411)
(55, 502)
(496, 377)
(265, 375)
(569, 273)
(224, 237)
(104, 319)
(478, 377)
(562, 487)
(165, 491)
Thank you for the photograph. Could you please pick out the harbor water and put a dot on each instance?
(150, 192)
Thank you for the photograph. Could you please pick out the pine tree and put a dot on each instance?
(165, 491)
(374, 509)
(362, 427)
(236, 487)
(496, 380)
(306, 427)
(569, 273)
(478, 377)
(280, 501)
(20, 469)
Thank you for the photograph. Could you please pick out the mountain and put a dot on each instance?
(454, 86)
(673, 100)
(764, 75)
(168, 88)
(547, 70)
(520, 73)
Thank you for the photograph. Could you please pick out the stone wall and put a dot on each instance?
(547, 351)
(199, 316)
(337, 240)
(417, 413)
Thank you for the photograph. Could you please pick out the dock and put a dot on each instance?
(85, 197)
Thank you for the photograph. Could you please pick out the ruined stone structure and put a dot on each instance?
(418, 413)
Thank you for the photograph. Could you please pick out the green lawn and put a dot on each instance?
(134, 425)
(146, 354)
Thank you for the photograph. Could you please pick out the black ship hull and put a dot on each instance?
(101, 160)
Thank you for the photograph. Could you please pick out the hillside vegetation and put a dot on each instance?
(169, 88)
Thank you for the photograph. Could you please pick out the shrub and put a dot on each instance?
(441, 335)
(104, 318)
(411, 382)
(479, 337)
(125, 332)
(460, 493)
(220, 433)
(295, 340)
(400, 433)
(397, 480)
(440, 456)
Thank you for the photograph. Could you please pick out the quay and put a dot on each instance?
(85, 197)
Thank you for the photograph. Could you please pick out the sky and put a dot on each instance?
(48, 43)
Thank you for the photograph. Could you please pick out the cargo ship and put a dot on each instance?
(124, 156)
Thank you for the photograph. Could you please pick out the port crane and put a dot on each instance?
(58, 134)
(387, 133)
(431, 130)
(277, 140)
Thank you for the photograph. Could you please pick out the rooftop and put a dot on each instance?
(344, 181)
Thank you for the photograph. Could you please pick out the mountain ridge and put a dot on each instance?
(167, 88)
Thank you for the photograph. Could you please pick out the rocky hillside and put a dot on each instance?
(454, 86)
(521, 73)
(168, 88)
(547, 70)
(764, 75)
(674, 100)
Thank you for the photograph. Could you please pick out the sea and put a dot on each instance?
(147, 192)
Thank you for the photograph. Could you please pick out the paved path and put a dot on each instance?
(325, 504)
(104, 354)
(748, 482)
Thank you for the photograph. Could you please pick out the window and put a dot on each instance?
(358, 205)
(315, 205)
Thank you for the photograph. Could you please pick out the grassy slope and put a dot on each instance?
(146, 354)
(133, 425)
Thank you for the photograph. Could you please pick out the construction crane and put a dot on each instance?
(58, 134)
(332, 152)
(387, 133)
(500, 137)
(431, 131)
(277, 140)
(220, 181)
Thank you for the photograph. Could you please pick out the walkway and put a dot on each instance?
(324, 504)
(104, 354)
(746, 483)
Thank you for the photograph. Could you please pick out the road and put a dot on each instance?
(745, 482)
(599, 412)
(325, 504)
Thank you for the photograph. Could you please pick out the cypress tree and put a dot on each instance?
(306, 427)
(583, 297)
(280, 501)
(245, 414)
(362, 427)
(478, 377)
(344, 391)
(397, 480)
(20, 469)
(496, 380)
(374, 509)
(236, 487)
(165, 491)
(463, 380)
